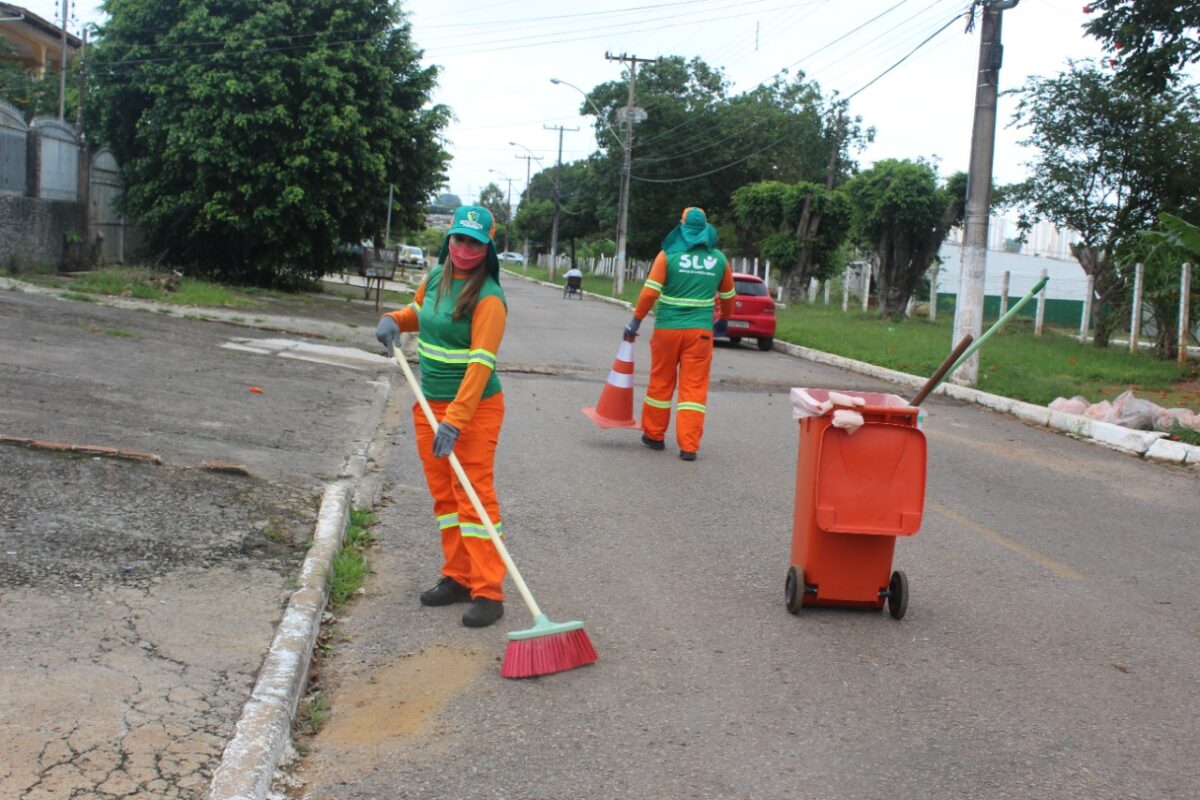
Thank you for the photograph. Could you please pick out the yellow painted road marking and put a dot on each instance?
(999, 538)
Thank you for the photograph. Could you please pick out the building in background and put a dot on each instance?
(38, 43)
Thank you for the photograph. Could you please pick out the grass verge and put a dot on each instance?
(350, 568)
(1013, 362)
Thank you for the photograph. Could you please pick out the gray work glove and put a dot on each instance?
(631, 329)
(444, 439)
(388, 333)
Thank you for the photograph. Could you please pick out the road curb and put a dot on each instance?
(264, 729)
(1150, 445)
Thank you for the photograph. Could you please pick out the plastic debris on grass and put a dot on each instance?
(1130, 411)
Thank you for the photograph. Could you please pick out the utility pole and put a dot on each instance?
(557, 199)
(507, 205)
(528, 158)
(968, 308)
(62, 70)
(630, 116)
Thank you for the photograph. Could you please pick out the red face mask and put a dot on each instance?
(465, 257)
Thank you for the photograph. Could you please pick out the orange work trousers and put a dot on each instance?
(683, 354)
(471, 558)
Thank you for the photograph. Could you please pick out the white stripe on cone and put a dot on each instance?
(625, 351)
(620, 380)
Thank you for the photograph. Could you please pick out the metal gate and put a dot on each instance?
(104, 221)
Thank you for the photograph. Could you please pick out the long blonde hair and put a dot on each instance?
(468, 295)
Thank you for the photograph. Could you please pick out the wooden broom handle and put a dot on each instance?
(936, 378)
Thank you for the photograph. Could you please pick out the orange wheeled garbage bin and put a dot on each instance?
(855, 493)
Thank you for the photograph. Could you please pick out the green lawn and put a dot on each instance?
(1013, 362)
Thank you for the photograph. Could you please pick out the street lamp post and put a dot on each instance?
(528, 159)
(623, 202)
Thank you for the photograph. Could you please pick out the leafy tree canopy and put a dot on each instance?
(253, 137)
(901, 215)
(699, 143)
(1111, 157)
(1152, 39)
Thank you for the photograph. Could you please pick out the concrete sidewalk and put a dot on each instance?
(139, 597)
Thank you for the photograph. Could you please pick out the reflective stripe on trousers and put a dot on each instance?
(470, 557)
(683, 355)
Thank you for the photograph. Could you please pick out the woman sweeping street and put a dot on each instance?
(459, 313)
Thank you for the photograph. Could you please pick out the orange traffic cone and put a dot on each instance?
(615, 409)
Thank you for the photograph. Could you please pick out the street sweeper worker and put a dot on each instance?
(686, 280)
(459, 313)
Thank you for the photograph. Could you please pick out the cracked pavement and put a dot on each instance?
(136, 599)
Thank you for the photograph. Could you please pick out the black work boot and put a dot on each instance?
(446, 592)
(653, 444)
(687, 455)
(482, 612)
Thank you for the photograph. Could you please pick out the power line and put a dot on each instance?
(783, 138)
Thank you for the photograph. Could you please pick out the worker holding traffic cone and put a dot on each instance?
(686, 279)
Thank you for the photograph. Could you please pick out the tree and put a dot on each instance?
(799, 227)
(1161, 252)
(492, 198)
(1111, 156)
(899, 213)
(254, 137)
(1153, 40)
(779, 131)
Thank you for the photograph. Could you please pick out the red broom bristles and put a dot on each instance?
(545, 655)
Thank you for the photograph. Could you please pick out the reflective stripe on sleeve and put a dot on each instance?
(727, 295)
(655, 285)
(481, 356)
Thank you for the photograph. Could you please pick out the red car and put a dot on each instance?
(753, 313)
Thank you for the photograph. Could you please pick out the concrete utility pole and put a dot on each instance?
(507, 205)
(630, 116)
(968, 309)
(62, 70)
(528, 159)
(557, 199)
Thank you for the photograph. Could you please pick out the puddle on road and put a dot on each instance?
(396, 699)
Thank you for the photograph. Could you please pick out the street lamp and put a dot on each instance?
(528, 159)
(507, 206)
(626, 145)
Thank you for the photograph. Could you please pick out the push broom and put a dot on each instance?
(547, 647)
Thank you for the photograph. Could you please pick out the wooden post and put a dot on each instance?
(1185, 322)
(825, 283)
(1004, 294)
(1085, 320)
(1135, 314)
(767, 275)
(812, 291)
(845, 287)
(866, 284)
(755, 273)
(1041, 309)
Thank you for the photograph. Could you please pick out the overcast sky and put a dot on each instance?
(497, 58)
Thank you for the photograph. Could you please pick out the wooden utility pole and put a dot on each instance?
(557, 198)
(968, 307)
(630, 116)
(62, 69)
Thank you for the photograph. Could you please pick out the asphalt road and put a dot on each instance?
(1049, 650)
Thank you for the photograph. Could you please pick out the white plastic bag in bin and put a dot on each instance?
(818, 402)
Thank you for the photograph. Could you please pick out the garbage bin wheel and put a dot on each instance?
(898, 594)
(793, 591)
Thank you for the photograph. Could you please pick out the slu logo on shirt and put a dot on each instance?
(693, 263)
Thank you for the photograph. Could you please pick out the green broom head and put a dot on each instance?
(546, 648)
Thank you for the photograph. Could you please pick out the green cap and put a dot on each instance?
(473, 221)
